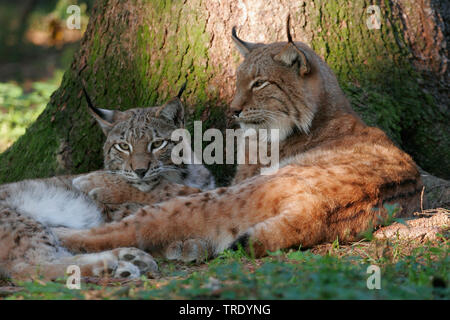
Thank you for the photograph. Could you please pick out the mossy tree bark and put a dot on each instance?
(138, 53)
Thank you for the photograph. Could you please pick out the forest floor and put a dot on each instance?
(371, 268)
(408, 270)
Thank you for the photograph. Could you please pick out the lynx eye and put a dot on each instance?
(124, 147)
(259, 84)
(157, 145)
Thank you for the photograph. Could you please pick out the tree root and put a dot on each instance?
(430, 225)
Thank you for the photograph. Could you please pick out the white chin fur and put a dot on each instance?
(284, 126)
(55, 206)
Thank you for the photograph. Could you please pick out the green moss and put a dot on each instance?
(180, 34)
(183, 56)
(374, 70)
(122, 69)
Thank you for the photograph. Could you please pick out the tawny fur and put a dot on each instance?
(336, 175)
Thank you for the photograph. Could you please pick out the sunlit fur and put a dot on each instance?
(287, 102)
(337, 173)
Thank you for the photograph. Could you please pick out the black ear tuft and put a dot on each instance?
(288, 28)
(291, 55)
(88, 100)
(243, 46)
(104, 117)
(183, 87)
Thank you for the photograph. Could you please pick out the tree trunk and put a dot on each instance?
(138, 53)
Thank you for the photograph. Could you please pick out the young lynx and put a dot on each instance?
(335, 172)
(137, 158)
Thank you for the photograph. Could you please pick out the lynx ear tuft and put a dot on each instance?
(104, 117)
(243, 46)
(292, 56)
(180, 92)
(288, 28)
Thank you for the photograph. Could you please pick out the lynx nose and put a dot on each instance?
(237, 105)
(140, 172)
(236, 113)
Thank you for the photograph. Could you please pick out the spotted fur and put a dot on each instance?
(28, 209)
(138, 146)
(336, 172)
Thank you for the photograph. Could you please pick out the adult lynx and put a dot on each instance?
(137, 158)
(335, 171)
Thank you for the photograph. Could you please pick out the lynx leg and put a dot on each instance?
(125, 263)
(118, 263)
(30, 248)
(278, 234)
(218, 217)
(291, 207)
(297, 226)
(98, 184)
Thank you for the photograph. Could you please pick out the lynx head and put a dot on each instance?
(279, 85)
(138, 141)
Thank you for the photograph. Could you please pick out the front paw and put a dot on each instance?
(86, 183)
(120, 263)
(142, 260)
(97, 185)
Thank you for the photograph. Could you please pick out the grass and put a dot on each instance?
(332, 271)
(22, 97)
(20, 107)
(408, 270)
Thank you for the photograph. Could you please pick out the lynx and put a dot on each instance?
(335, 175)
(137, 159)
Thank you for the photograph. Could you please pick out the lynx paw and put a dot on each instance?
(142, 260)
(87, 182)
(188, 250)
(96, 185)
(122, 263)
(116, 269)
